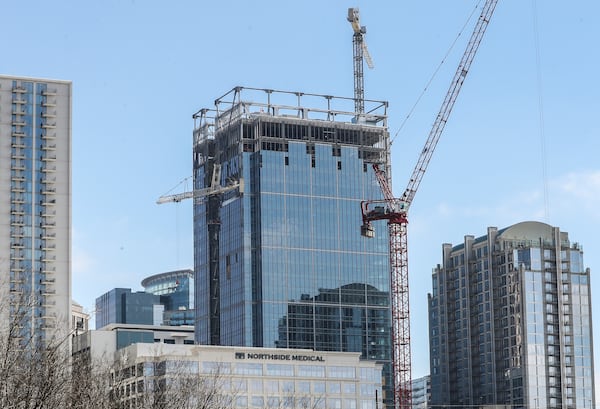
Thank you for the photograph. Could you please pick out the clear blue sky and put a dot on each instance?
(140, 69)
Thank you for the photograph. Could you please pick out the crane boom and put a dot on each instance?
(214, 188)
(448, 104)
(395, 211)
(196, 193)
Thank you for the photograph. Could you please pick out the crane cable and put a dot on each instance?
(539, 84)
(435, 72)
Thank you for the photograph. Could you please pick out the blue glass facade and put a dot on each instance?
(171, 292)
(121, 306)
(176, 291)
(280, 262)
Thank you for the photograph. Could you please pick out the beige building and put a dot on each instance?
(35, 203)
(235, 377)
(257, 377)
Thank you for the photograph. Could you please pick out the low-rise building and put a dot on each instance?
(242, 377)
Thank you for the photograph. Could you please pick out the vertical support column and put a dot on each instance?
(401, 358)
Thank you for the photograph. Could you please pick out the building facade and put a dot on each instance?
(251, 377)
(421, 392)
(167, 299)
(176, 291)
(510, 321)
(35, 204)
(122, 306)
(279, 258)
(79, 319)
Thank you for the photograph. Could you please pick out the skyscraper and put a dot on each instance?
(279, 258)
(35, 204)
(510, 321)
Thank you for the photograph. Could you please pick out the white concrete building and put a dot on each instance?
(257, 377)
(35, 202)
(244, 377)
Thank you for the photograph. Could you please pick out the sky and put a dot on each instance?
(524, 124)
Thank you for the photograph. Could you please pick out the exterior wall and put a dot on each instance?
(35, 201)
(421, 392)
(280, 262)
(79, 319)
(260, 377)
(121, 306)
(118, 336)
(510, 321)
(176, 291)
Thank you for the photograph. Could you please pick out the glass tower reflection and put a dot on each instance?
(279, 260)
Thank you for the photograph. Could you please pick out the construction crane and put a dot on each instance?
(199, 194)
(361, 53)
(395, 211)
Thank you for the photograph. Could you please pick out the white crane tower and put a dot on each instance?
(361, 52)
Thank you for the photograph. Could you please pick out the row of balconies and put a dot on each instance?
(19, 89)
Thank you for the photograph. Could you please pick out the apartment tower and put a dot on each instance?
(279, 258)
(35, 205)
(510, 321)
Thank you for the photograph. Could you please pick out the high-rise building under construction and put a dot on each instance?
(279, 259)
(510, 322)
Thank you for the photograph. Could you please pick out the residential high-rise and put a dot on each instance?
(510, 321)
(35, 204)
(279, 259)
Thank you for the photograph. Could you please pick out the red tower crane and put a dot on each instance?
(395, 211)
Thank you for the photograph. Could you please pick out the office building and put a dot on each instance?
(167, 299)
(279, 258)
(176, 291)
(35, 205)
(510, 321)
(122, 306)
(249, 377)
(113, 337)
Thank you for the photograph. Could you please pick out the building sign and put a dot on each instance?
(279, 357)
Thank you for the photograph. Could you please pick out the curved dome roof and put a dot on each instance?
(527, 231)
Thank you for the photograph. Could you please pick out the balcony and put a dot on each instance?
(17, 221)
(48, 157)
(49, 168)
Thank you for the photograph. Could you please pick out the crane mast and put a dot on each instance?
(395, 211)
(360, 54)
